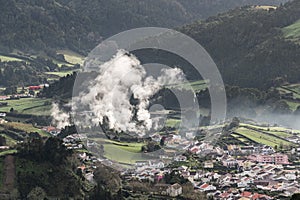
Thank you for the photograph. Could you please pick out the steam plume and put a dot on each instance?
(60, 118)
(109, 95)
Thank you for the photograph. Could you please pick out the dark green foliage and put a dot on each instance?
(296, 197)
(281, 107)
(108, 184)
(60, 89)
(8, 90)
(174, 177)
(249, 47)
(201, 9)
(80, 25)
(46, 164)
(68, 130)
(21, 74)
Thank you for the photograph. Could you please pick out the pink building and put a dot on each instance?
(274, 158)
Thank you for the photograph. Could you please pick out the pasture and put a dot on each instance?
(72, 57)
(33, 106)
(122, 152)
(292, 32)
(262, 138)
(9, 58)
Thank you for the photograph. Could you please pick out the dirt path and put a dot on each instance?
(9, 173)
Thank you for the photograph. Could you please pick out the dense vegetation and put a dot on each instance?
(78, 25)
(249, 46)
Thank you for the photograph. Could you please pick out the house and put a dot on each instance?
(206, 187)
(162, 189)
(247, 149)
(267, 150)
(141, 163)
(156, 164)
(294, 139)
(190, 135)
(273, 158)
(35, 87)
(52, 130)
(246, 194)
(180, 158)
(230, 163)
(174, 190)
(3, 98)
(208, 165)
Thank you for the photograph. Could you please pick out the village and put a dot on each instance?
(234, 172)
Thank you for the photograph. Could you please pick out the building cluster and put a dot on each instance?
(255, 172)
(231, 172)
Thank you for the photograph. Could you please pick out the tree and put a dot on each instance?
(37, 193)
(296, 196)
(2, 141)
(10, 90)
(31, 92)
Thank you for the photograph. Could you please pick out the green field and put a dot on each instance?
(8, 58)
(117, 153)
(61, 73)
(28, 128)
(293, 88)
(277, 130)
(72, 57)
(34, 106)
(292, 32)
(8, 152)
(293, 105)
(197, 86)
(173, 123)
(9, 141)
(262, 138)
(122, 152)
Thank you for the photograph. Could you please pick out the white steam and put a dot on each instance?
(108, 95)
(60, 118)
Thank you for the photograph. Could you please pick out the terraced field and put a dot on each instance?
(33, 106)
(197, 86)
(28, 128)
(270, 138)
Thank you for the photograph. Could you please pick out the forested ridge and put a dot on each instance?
(79, 25)
(249, 46)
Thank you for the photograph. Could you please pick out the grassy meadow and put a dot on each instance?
(123, 152)
(33, 106)
(292, 32)
(262, 138)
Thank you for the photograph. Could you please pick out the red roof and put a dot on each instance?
(224, 195)
(34, 87)
(257, 196)
(246, 194)
(205, 185)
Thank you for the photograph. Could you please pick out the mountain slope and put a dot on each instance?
(80, 25)
(249, 46)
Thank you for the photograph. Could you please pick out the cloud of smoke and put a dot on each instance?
(109, 95)
(60, 118)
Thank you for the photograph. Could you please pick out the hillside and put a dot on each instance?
(79, 26)
(201, 9)
(252, 46)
